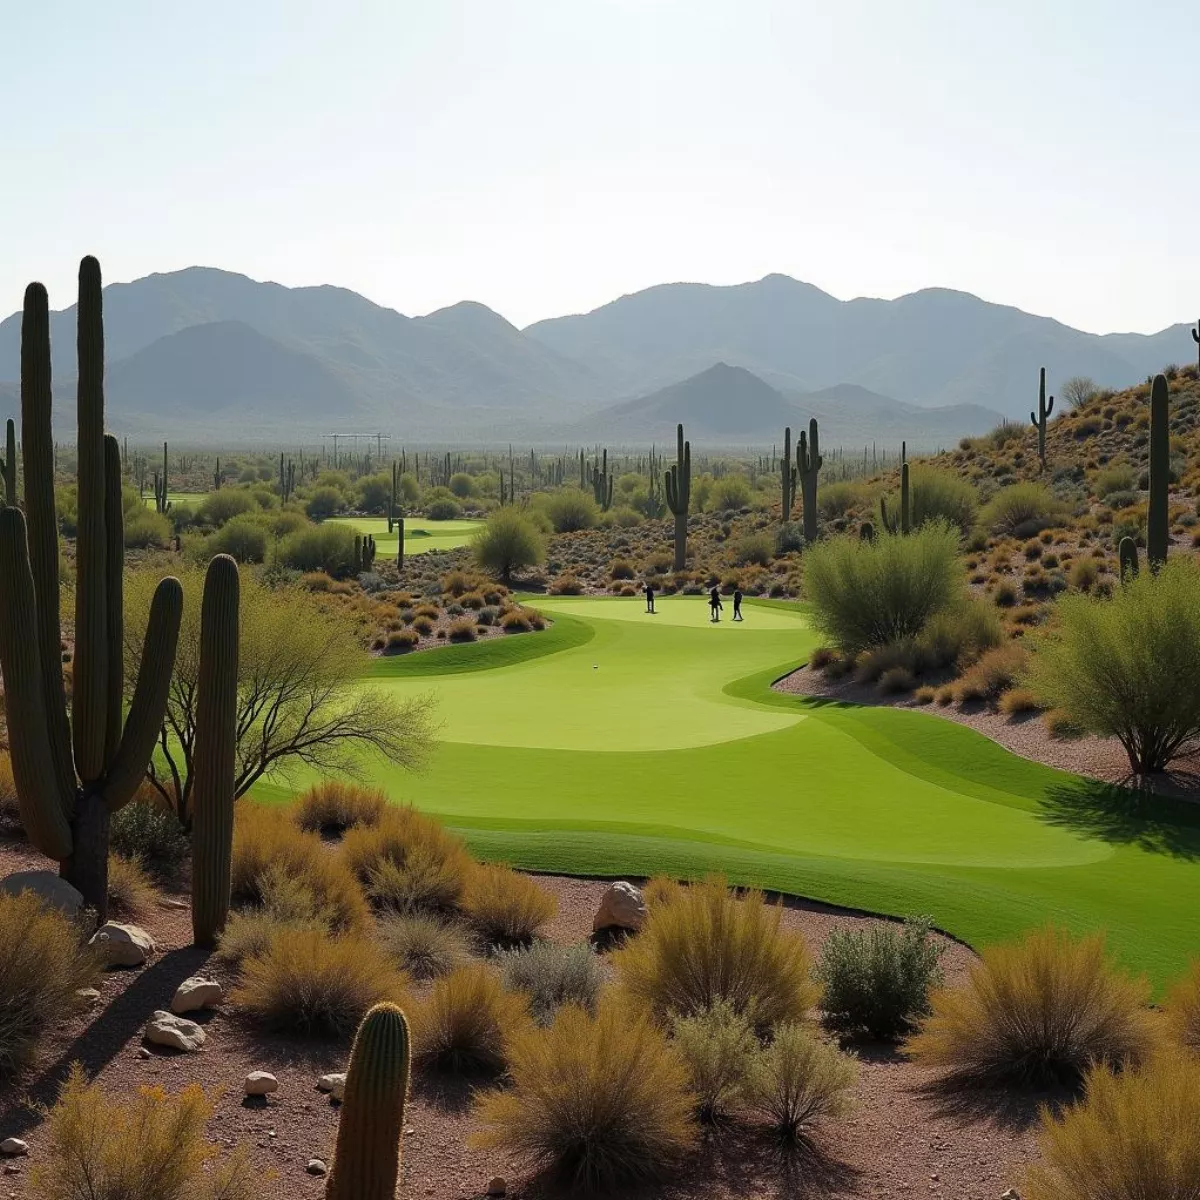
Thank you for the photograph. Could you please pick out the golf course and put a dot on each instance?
(623, 743)
(420, 536)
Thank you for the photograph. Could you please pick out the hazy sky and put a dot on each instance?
(545, 156)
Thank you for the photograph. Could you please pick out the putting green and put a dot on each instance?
(420, 536)
(623, 743)
(193, 498)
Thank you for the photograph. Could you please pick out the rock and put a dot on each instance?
(122, 945)
(622, 906)
(13, 1147)
(48, 887)
(335, 1085)
(178, 1033)
(1011, 1194)
(178, 905)
(196, 993)
(88, 996)
(316, 1167)
(497, 1187)
(143, 1053)
(261, 1083)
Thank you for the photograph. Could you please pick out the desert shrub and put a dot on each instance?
(789, 537)
(798, 1079)
(1083, 574)
(129, 888)
(467, 1022)
(1116, 477)
(309, 983)
(601, 1103)
(1133, 1136)
(708, 945)
(566, 585)
(508, 542)
(462, 630)
(423, 626)
(938, 496)
(872, 593)
(328, 548)
(148, 1147)
(224, 504)
(148, 832)
(621, 568)
(1182, 1010)
(10, 811)
(960, 632)
(552, 975)
(462, 485)
(423, 946)
(1041, 1010)
(42, 964)
(244, 538)
(1126, 666)
(443, 509)
(718, 1048)
(877, 981)
(408, 861)
(994, 674)
(837, 499)
(1016, 701)
(569, 510)
(333, 806)
(286, 904)
(324, 502)
(1021, 510)
(145, 528)
(516, 621)
(754, 548)
(729, 493)
(661, 890)
(504, 905)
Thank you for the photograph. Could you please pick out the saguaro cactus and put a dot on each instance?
(678, 484)
(602, 484)
(8, 466)
(366, 1161)
(1196, 339)
(215, 747)
(1042, 417)
(899, 522)
(808, 465)
(71, 773)
(787, 479)
(1157, 536)
(400, 544)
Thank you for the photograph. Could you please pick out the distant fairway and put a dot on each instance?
(620, 743)
(192, 498)
(420, 535)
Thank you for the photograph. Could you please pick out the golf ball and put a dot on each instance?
(595, 666)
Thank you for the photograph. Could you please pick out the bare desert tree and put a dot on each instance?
(1077, 391)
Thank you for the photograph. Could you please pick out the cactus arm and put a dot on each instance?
(1196, 334)
(149, 706)
(114, 532)
(1049, 406)
(44, 811)
(216, 746)
(1157, 534)
(10, 463)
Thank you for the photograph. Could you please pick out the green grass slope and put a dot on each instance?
(420, 536)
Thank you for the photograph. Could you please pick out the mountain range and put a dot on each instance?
(206, 354)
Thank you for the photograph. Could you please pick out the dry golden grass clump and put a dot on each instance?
(422, 945)
(333, 806)
(799, 1079)
(660, 890)
(1133, 1136)
(1039, 1011)
(1182, 1009)
(505, 906)
(130, 891)
(708, 945)
(601, 1103)
(309, 982)
(9, 809)
(149, 1146)
(468, 1022)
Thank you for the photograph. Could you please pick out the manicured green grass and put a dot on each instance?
(420, 535)
(620, 743)
(191, 498)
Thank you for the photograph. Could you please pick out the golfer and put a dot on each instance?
(714, 603)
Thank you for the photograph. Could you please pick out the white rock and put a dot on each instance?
(122, 945)
(48, 887)
(88, 996)
(196, 993)
(316, 1167)
(13, 1147)
(622, 906)
(166, 1029)
(261, 1083)
(334, 1084)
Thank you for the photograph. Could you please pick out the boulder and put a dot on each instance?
(261, 1083)
(122, 945)
(316, 1167)
(48, 887)
(177, 1033)
(622, 907)
(196, 993)
(334, 1084)
(13, 1147)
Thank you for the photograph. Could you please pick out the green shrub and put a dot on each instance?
(1116, 477)
(508, 543)
(718, 1048)
(868, 594)
(244, 538)
(1129, 666)
(877, 981)
(837, 499)
(147, 831)
(552, 975)
(462, 485)
(756, 548)
(569, 510)
(1022, 509)
(938, 496)
(145, 529)
(960, 633)
(799, 1079)
(729, 493)
(222, 505)
(789, 537)
(328, 548)
(325, 502)
(443, 509)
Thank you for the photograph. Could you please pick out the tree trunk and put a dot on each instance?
(87, 868)
(680, 541)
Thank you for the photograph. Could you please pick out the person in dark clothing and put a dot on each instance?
(737, 604)
(649, 590)
(714, 603)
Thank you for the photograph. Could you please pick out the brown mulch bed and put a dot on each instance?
(905, 1136)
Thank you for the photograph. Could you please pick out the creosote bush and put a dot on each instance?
(798, 1079)
(1021, 510)
(508, 543)
(333, 806)
(1038, 1011)
(718, 1048)
(600, 1103)
(505, 906)
(552, 975)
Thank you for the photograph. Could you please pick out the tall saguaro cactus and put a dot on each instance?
(1042, 417)
(1157, 536)
(678, 484)
(366, 1161)
(787, 479)
(215, 749)
(808, 466)
(72, 772)
(1196, 339)
(602, 483)
(8, 466)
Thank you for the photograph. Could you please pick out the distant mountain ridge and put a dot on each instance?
(210, 354)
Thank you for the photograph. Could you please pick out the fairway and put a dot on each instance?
(623, 743)
(420, 536)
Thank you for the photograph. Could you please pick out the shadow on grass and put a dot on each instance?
(1126, 817)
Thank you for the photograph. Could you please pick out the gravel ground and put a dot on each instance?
(906, 1137)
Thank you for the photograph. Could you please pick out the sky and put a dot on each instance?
(546, 156)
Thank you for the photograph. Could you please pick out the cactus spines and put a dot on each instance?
(1157, 535)
(216, 743)
(1127, 556)
(366, 1161)
(808, 466)
(1042, 417)
(8, 466)
(787, 479)
(678, 485)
